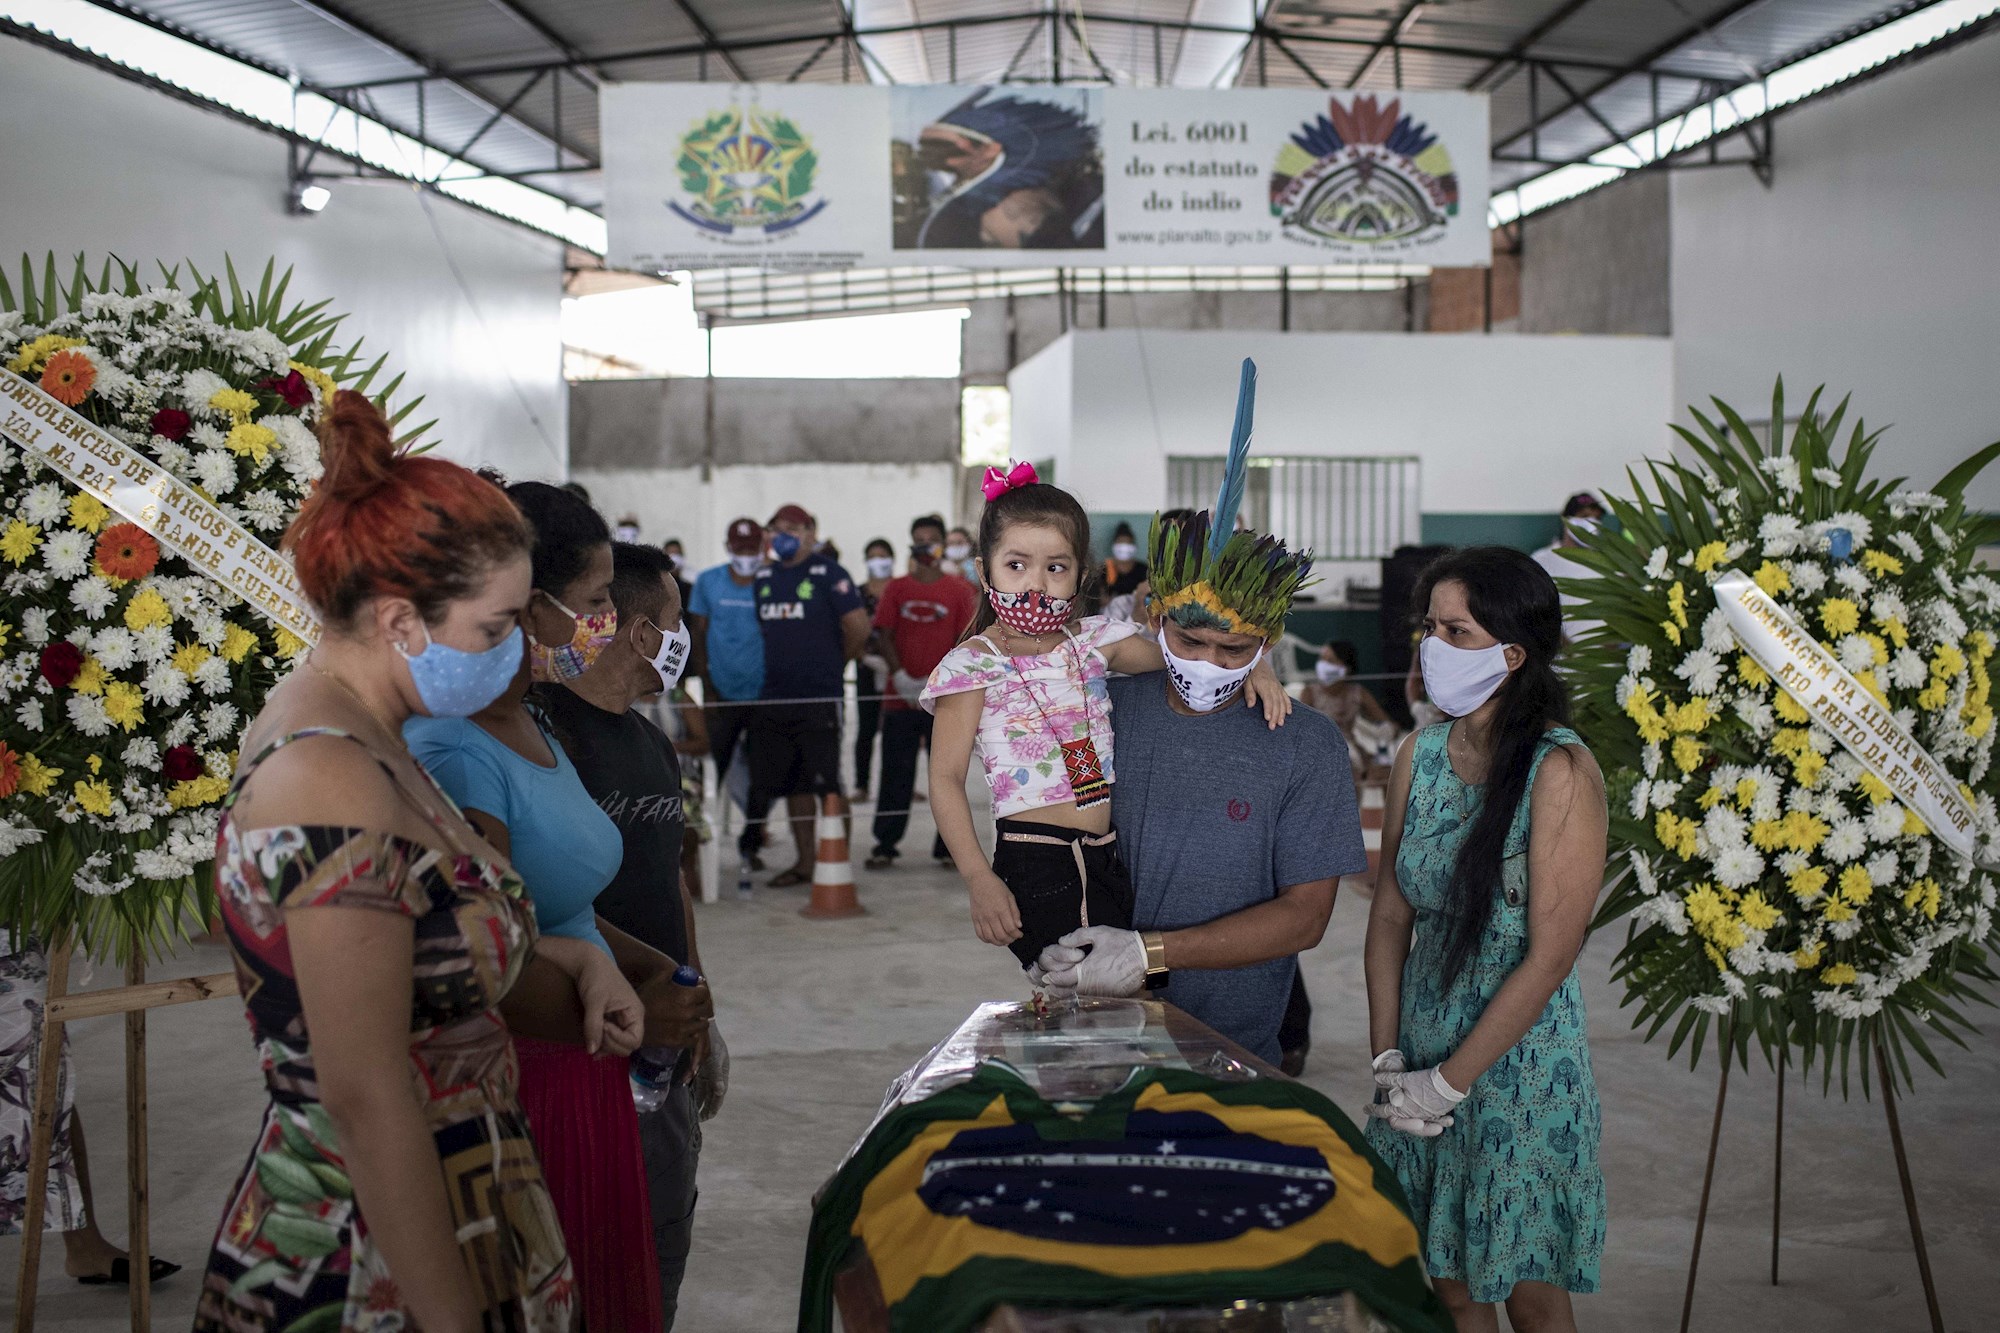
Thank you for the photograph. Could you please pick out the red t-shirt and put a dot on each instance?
(923, 621)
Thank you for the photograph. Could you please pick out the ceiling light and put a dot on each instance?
(308, 197)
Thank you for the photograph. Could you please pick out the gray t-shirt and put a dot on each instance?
(1218, 813)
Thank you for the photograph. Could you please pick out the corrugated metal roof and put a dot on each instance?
(539, 61)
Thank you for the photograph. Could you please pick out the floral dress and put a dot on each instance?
(1512, 1192)
(293, 1250)
(24, 995)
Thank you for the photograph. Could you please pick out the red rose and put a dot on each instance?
(292, 388)
(181, 764)
(170, 423)
(60, 663)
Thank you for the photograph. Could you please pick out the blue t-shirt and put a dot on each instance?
(1217, 813)
(566, 848)
(735, 641)
(800, 607)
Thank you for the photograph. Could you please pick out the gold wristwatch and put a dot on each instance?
(1156, 959)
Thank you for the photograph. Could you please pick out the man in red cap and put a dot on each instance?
(729, 645)
(814, 622)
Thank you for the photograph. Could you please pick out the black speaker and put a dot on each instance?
(1400, 619)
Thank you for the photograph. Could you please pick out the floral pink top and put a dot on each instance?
(1033, 705)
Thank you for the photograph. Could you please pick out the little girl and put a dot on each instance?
(1025, 688)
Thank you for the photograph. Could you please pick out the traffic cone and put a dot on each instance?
(833, 873)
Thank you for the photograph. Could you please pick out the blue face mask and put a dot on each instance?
(784, 545)
(453, 683)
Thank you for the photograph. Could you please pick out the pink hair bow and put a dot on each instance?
(998, 483)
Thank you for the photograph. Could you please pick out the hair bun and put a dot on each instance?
(356, 447)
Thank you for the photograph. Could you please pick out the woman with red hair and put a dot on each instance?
(393, 1183)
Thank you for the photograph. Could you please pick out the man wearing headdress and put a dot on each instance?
(1012, 173)
(1236, 835)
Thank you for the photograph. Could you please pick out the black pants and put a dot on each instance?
(794, 750)
(727, 724)
(670, 1143)
(1295, 1030)
(905, 732)
(867, 722)
(1061, 879)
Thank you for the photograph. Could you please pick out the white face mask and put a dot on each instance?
(626, 532)
(957, 551)
(1203, 686)
(1458, 680)
(672, 658)
(881, 566)
(1329, 672)
(746, 565)
(1124, 551)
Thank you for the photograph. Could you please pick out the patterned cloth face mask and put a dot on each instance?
(1030, 612)
(569, 660)
(454, 683)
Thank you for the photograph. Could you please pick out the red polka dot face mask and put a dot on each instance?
(1030, 612)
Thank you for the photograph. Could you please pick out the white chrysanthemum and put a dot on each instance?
(1649, 760)
(1885, 821)
(298, 446)
(1716, 635)
(1946, 541)
(216, 471)
(1665, 793)
(67, 554)
(1642, 870)
(35, 625)
(204, 436)
(1853, 580)
(1826, 476)
(1642, 798)
(29, 715)
(1724, 827)
(1941, 621)
(218, 722)
(209, 628)
(1738, 867)
(157, 864)
(1944, 582)
(1638, 659)
(1981, 591)
(1907, 670)
(1780, 533)
(44, 504)
(1845, 841)
(1888, 605)
(87, 715)
(1910, 547)
(1884, 868)
(1663, 909)
(114, 648)
(1785, 471)
(1857, 527)
(13, 836)
(197, 387)
(181, 730)
(1768, 803)
(141, 753)
(1843, 770)
(1808, 576)
(1917, 501)
(1855, 653)
(165, 684)
(90, 878)
(92, 596)
(1756, 714)
(1820, 739)
(1791, 863)
(1712, 1004)
(266, 509)
(1702, 670)
(155, 643)
(213, 676)
(174, 457)
(1656, 564)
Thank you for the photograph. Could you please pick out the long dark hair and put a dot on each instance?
(1043, 506)
(1515, 601)
(567, 532)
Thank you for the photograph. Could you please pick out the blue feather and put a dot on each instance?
(1222, 519)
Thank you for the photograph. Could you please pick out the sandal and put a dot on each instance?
(121, 1273)
(880, 861)
(786, 879)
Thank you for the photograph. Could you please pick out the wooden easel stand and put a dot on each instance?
(132, 999)
(1777, 1182)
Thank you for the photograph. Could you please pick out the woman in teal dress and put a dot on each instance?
(1493, 851)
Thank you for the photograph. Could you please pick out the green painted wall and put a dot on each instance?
(1529, 532)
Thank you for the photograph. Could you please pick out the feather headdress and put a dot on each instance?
(1205, 574)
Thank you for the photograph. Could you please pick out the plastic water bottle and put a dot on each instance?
(653, 1067)
(743, 882)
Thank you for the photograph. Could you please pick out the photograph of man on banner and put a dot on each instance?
(986, 169)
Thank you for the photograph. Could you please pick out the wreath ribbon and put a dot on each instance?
(1804, 669)
(141, 492)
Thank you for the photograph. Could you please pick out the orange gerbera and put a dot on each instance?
(10, 770)
(68, 377)
(126, 551)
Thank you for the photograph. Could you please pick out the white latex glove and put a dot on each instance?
(876, 663)
(1056, 958)
(909, 687)
(1422, 1096)
(711, 1076)
(1116, 964)
(1384, 1067)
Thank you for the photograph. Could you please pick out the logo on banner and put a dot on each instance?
(1364, 174)
(749, 174)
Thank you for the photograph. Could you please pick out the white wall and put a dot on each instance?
(1504, 423)
(96, 164)
(854, 502)
(1868, 266)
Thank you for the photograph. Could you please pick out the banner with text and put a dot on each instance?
(805, 176)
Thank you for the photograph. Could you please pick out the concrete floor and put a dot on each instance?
(820, 1016)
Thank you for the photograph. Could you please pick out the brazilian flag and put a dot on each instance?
(1178, 1189)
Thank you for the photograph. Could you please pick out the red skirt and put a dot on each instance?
(580, 1110)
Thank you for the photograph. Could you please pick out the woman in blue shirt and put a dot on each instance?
(514, 783)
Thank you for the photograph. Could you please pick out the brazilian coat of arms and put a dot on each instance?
(747, 170)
